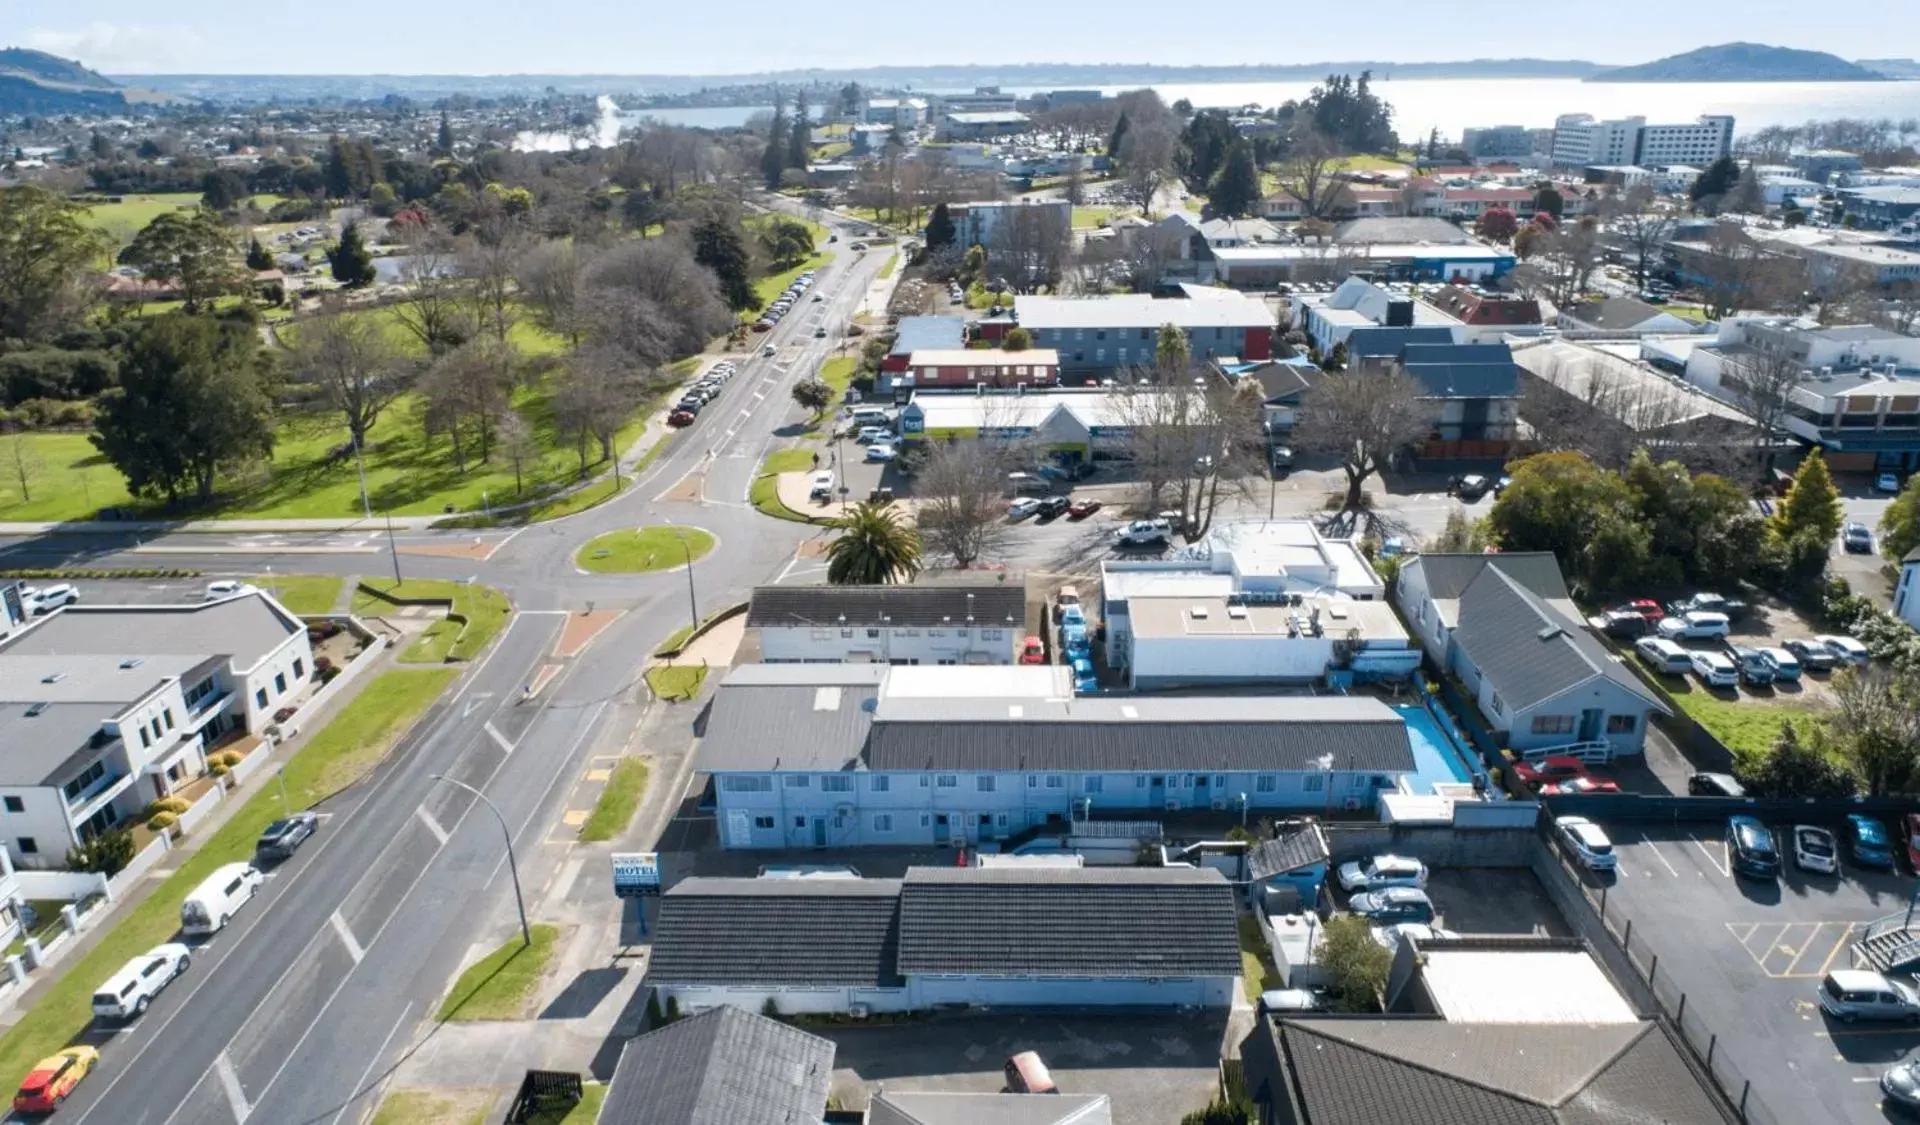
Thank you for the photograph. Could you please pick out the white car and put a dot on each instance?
(1379, 871)
(1844, 648)
(870, 434)
(1587, 840)
(1715, 669)
(127, 993)
(224, 588)
(1698, 625)
(1886, 482)
(769, 350)
(1815, 849)
(1141, 533)
(49, 598)
(1389, 936)
(1022, 508)
(880, 451)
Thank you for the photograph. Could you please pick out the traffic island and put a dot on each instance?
(642, 550)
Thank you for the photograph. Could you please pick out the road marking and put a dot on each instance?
(346, 937)
(360, 1087)
(1846, 938)
(1720, 862)
(230, 1085)
(499, 739)
(433, 826)
(1664, 861)
(473, 701)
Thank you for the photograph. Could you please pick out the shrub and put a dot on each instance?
(283, 714)
(108, 853)
(161, 821)
(328, 673)
(174, 805)
(322, 663)
(220, 769)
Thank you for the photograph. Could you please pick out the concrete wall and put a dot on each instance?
(203, 808)
(69, 886)
(695, 998)
(137, 869)
(883, 646)
(1436, 846)
(315, 703)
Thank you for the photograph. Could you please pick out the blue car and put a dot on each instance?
(1073, 639)
(1084, 681)
(1751, 850)
(1867, 839)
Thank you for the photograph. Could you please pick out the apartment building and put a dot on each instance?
(1095, 335)
(890, 624)
(1580, 141)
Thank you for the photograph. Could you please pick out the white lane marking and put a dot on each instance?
(360, 1087)
(230, 1085)
(346, 937)
(499, 739)
(433, 826)
(1671, 869)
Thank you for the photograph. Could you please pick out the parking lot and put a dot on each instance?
(1747, 955)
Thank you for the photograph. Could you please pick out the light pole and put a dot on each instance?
(693, 605)
(526, 932)
(360, 461)
(393, 550)
(1243, 812)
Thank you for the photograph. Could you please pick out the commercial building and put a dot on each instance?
(966, 368)
(891, 624)
(726, 1066)
(1614, 398)
(823, 755)
(895, 113)
(1082, 424)
(1881, 206)
(1824, 165)
(918, 333)
(1233, 640)
(980, 224)
(105, 709)
(1001, 937)
(1580, 141)
(983, 126)
(1096, 335)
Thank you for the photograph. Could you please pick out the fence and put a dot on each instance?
(255, 762)
(203, 808)
(136, 869)
(67, 886)
(1610, 932)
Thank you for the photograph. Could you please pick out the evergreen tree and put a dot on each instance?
(1236, 191)
(1116, 140)
(1171, 353)
(1714, 183)
(773, 161)
(444, 143)
(352, 262)
(717, 245)
(1812, 504)
(800, 139)
(257, 257)
(1549, 201)
(940, 229)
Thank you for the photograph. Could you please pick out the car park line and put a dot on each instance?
(1655, 849)
(1719, 860)
(1793, 941)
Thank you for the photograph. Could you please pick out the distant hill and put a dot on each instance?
(1743, 62)
(1893, 68)
(36, 82)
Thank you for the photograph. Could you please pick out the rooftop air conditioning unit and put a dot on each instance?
(1219, 804)
(1173, 804)
(859, 1011)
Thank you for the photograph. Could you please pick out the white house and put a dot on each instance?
(1215, 641)
(871, 755)
(918, 624)
(104, 709)
(1027, 937)
(1906, 601)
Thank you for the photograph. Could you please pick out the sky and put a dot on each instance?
(744, 36)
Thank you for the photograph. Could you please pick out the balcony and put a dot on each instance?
(206, 707)
(96, 796)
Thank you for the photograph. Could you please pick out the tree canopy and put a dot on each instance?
(191, 250)
(874, 546)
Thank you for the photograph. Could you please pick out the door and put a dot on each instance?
(1156, 791)
(1590, 725)
(739, 830)
(819, 831)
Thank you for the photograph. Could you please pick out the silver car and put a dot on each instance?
(1375, 872)
(1859, 994)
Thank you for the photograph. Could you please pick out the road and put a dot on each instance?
(296, 1010)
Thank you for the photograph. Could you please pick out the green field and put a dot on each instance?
(1087, 218)
(771, 286)
(478, 614)
(1367, 162)
(1748, 725)
(121, 221)
(674, 682)
(339, 752)
(501, 985)
(764, 493)
(638, 550)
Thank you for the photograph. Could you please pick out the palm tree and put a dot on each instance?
(873, 546)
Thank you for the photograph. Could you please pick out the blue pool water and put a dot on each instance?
(1436, 758)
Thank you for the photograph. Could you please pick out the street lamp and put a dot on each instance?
(693, 606)
(513, 865)
(1243, 812)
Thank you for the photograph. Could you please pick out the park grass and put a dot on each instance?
(1257, 973)
(838, 374)
(1368, 162)
(69, 479)
(587, 1111)
(1693, 313)
(1747, 725)
(478, 614)
(433, 1107)
(121, 221)
(832, 150)
(674, 682)
(769, 288)
(377, 717)
(618, 802)
(1087, 218)
(307, 595)
(640, 550)
(502, 985)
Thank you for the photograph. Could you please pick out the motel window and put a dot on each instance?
(146, 739)
(1621, 724)
(948, 781)
(260, 697)
(279, 684)
(1055, 781)
(984, 783)
(27, 845)
(747, 783)
(883, 822)
(846, 634)
(15, 804)
(763, 822)
(1313, 782)
(1499, 705)
(799, 822)
(1553, 724)
(836, 783)
(299, 669)
(154, 725)
(873, 634)
(1033, 781)
(1265, 783)
(797, 781)
(878, 783)
(1094, 784)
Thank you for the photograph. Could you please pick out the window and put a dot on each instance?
(923, 781)
(279, 683)
(1092, 784)
(992, 634)
(1553, 724)
(746, 783)
(1033, 781)
(1312, 782)
(260, 697)
(15, 804)
(797, 781)
(799, 822)
(763, 822)
(1499, 705)
(146, 739)
(846, 634)
(878, 783)
(1360, 781)
(1140, 781)
(154, 726)
(836, 783)
(873, 634)
(1265, 783)
(1621, 724)
(299, 669)
(883, 822)
(27, 845)
(1055, 781)
(948, 781)
(984, 783)
(168, 715)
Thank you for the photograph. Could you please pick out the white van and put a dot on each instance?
(871, 416)
(214, 901)
(1663, 655)
(128, 992)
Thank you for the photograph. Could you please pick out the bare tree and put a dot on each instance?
(488, 263)
(598, 392)
(1029, 247)
(1567, 259)
(352, 367)
(1146, 163)
(960, 510)
(23, 460)
(466, 391)
(657, 281)
(1763, 377)
(1194, 440)
(1307, 172)
(1364, 420)
(1738, 273)
(518, 445)
(550, 282)
(1643, 226)
(436, 311)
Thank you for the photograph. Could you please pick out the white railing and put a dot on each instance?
(1596, 753)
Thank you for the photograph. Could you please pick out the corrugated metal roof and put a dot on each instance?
(752, 932)
(721, 1067)
(1528, 650)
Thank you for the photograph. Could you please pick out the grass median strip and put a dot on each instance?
(765, 491)
(676, 681)
(378, 716)
(638, 550)
(618, 802)
(304, 594)
(478, 614)
(1257, 973)
(502, 985)
(592, 1096)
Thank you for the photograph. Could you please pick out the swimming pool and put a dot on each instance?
(1436, 757)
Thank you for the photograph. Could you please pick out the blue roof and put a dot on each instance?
(1380, 341)
(929, 333)
(1463, 370)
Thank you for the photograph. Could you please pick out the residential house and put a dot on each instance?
(726, 1066)
(871, 755)
(1239, 232)
(1064, 426)
(1475, 392)
(918, 333)
(105, 709)
(1504, 626)
(1621, 316)
(966, 368)
(1357, 304)
(1283, 384)
(1284, 874)
(895, 113)
(952, 1107)
(889, 624)
(1000, 937)
(1095, 336)
(1906, 601)
(1485, 316)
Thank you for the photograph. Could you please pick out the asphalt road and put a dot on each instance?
(296, 1010)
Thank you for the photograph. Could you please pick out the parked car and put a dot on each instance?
(1393, 904)
(1857, 539)
(224, 588)
(1587, 841)
(1886, 482)
(870, 434)
(283, 837)
(879, 452)
(1033, 651)
(1751, 849)
(822, 487)
(1026, 1074)
(1081, 509)
(1084, 681)
(1715, 669)
(1814, 849)
(1279, 1001)
(1553, 767)
(1699, 625)
(1145, 533)
(1663, 655)
(1391, 936)
(1812, 655)
(1072, 614)
(1714, 785)
(1786, 669)
(1753, 667)
(1067, 596)
(1622, 624)
(1861, 994)
(769, 350)
(1732, 608)
(127, 993)
(1022, 508)
(1868, 843)
(1052, 507)
(219, 896)
(1576, 786)
(680, 418)
(1379, 871)
(49, 598)
(1645, 607)
(53, 1078)
(1845, 649)
(1470, 487)
(1901, 1084)
(1073, 640)
(1913, 841)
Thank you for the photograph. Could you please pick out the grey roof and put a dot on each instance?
(1463, 370)
(1448, 576)
(1615, 314)
(721, 1067)
(777, 932)
(918, 333)
(1529, 651)
(1138, 310)
(246, 628)
(894, 1107)
(1353, 1071)
(1137, 733)
(1111, 922)
(1385, 229)
(1290, 851)
(790, 716)
(1378, 340)
(48, 730)
(999, 605)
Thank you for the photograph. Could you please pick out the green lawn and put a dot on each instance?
(676, 681)
(1367, 162)
(638, 550)
(121, 221)
(1687, 312)
(771, 286)
(838, 374)
(484, 611)
(304, 594)
(618, 802)
(335, 755)
(501, 985)
(1748, 725)
(1257, 973)
(592, 1095)
(429, 1107)
(893, 263)
(764, 494)
(1086, 218)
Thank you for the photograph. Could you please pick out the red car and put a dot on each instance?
(1585, 783)
(1554, 767)
(1081, 509)
(680, 418)
(1647, 608)
(1033, 651)
(53, 1078)
(1913, 840)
